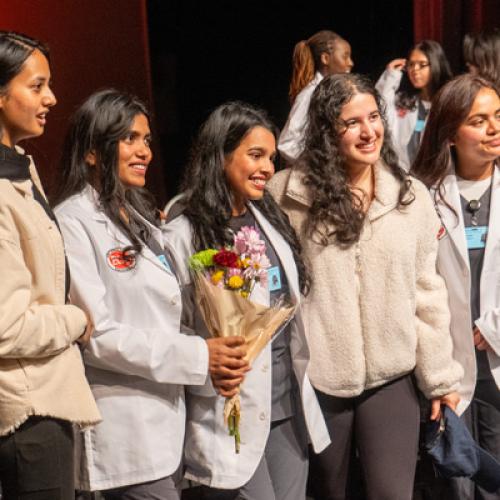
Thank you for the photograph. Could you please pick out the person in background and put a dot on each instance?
(138, 360)
(325, 53)
(376, 317)
(43, 390)
(407, 87)
(225, 185)
(459, 161)
(482, 54)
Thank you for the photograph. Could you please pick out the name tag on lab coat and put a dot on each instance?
(476, 237)
(164, 261)
(274, 278)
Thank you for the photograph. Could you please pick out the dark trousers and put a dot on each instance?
(383, 424)
(36, 461)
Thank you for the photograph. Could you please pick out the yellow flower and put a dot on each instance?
(235, 282)
(244, 294)
(217, 276)
(243, 263)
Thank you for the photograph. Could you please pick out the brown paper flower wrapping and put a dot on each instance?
(227, 313)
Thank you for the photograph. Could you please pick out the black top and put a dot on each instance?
(476, 260)
(284, 384)
(416, 136)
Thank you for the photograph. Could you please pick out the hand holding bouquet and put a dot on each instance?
(224, 280)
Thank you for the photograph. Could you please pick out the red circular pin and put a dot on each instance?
(117, 260)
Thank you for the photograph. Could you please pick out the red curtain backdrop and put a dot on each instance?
(93, 44)
(447, 21)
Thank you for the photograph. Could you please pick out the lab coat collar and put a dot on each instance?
(454, 223)
(90, 195)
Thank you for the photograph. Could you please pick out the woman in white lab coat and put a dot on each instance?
(324, 53)
(225, 182)
(138, 360)
(458, 160)
(407, 86)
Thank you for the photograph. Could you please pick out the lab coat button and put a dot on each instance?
(262, 416)
(264, 368)
(173, 302)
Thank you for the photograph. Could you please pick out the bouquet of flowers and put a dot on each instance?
(224, 280)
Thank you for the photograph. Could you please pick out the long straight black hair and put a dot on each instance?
(97, 127)
(209, 197)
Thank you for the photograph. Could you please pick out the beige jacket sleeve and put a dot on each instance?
(436, 371)
(31, 329)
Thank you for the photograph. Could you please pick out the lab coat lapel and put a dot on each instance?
(453, 222)
(493, 238)
(283, 252)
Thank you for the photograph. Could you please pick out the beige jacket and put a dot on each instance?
(41, 370)
(377, 310)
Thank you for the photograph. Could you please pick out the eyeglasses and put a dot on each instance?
(416, 65)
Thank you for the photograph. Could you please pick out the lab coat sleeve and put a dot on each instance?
(159, 354)
(290, 143)
(179, 251)
(387, 86)
(436, 371)
(489, 326)
(30, 329)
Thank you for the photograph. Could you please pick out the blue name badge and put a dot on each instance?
(274, 278)
(476, 237)
(420, 125)
(164, 261)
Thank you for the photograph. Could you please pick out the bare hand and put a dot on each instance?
(84, 339)
(479, 341)
(226, 364)
(397, 64)
(451, 400)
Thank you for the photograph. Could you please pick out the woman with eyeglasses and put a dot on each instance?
(325, 53)
(407, 87)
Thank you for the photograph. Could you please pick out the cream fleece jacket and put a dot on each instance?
(377, 310)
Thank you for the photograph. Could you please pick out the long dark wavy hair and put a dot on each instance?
(450, 108)
(334, 204)
(15, 48)
(407, 94)
(97, 127)
(209, 197)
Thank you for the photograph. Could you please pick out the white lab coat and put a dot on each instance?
(137, 359)
(401, 123)
(209, 454)
(291, 140)
(453, 265)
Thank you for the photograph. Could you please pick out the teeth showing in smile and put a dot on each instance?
(369, 146)
(138, 166)
(258, 182)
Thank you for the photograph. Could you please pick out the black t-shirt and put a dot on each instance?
(476, 260)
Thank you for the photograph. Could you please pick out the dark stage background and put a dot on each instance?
(186, 57)
(204, 53)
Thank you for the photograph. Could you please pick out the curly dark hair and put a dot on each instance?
(334, 202)
(98, 126)
(209, 197)
(407, 94)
